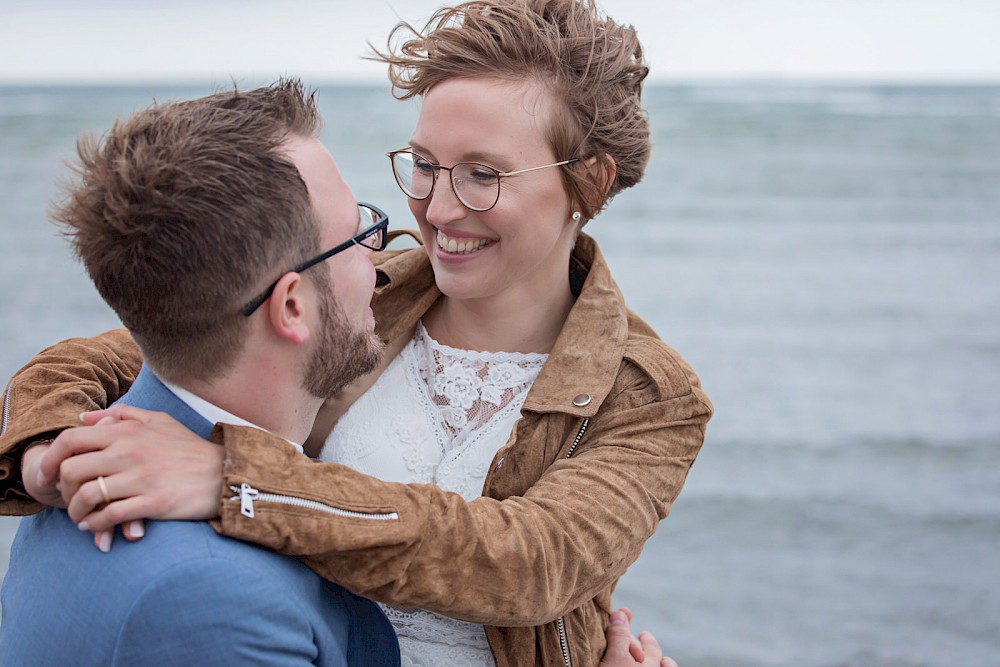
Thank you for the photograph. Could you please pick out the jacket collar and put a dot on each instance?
(586, 355)
(150, 393)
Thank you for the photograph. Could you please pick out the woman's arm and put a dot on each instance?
(48, 395)
(524, 560)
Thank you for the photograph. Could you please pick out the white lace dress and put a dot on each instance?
(436, 415)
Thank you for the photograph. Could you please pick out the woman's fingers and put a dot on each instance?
(122, 412)
(133, 531)
(125, 512)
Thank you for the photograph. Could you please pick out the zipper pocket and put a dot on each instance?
(248, 496)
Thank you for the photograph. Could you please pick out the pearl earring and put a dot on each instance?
(576, 216)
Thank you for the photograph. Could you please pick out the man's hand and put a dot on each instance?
(152, 468)
(624, 650)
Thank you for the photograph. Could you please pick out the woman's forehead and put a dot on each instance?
(483, 117)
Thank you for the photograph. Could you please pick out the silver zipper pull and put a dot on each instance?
(247, 495)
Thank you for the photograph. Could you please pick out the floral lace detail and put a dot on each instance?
(436, 415)
(471, 388)
(427, 639)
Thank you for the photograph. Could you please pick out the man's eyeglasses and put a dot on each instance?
(476, 185)
(372, 227)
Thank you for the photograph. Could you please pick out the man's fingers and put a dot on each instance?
(619, 638)
(651, 647)
(636, 651)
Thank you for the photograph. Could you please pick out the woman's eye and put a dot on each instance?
(483, 176)
(423, 166)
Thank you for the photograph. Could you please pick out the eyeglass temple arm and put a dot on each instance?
(544, 166)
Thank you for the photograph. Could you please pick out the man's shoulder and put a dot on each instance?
(50, 541)
(194, 544)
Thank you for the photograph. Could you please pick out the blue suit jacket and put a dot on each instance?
(183, 595)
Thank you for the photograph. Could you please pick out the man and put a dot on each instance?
(193, 220)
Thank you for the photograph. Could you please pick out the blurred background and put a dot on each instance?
(818, 233)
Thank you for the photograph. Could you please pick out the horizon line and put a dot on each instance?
(348, 80)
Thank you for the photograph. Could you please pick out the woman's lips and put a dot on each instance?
(460, 246)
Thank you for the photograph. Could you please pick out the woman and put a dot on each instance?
(555, 427)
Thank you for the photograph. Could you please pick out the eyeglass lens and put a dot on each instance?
(376, 241)
(476, 186)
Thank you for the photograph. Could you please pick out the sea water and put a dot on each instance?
(828, 260)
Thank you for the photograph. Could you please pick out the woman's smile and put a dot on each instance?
(458, 245)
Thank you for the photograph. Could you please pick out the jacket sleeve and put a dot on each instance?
(48, 395)
(523, 560)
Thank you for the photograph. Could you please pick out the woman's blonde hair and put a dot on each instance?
(592, 67)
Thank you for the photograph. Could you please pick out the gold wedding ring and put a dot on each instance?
(104, 490)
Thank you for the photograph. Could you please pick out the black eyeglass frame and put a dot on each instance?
(381, 224)
(436, 168)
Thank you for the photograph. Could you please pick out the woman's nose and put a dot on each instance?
(443, 204)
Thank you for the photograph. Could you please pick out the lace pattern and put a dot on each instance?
(436, 415)
(471, 388)
(454, 642)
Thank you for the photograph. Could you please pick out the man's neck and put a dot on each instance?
(274, 406)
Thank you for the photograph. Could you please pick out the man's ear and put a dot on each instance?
(286, 309)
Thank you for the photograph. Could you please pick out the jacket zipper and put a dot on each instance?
(560, 623)
(6, 410)
(579, 436)
(248, 495)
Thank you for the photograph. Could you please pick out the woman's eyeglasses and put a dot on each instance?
(372, 226)
(476, 185)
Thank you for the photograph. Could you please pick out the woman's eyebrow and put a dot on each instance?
(485, 157)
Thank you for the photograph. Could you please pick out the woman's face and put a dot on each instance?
(517, 251)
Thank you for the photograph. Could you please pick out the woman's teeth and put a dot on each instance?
(459, 246)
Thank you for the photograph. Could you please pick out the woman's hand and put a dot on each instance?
(624, 650)
(47, 494)
(151, 467)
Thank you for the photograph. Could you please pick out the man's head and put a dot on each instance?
(184, 210)
(345, 344)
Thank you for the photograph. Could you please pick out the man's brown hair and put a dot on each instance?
(592, 67)
(185, 210)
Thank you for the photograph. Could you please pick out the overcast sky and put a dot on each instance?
(211, 41)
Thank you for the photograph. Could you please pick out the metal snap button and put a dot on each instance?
(581, 400)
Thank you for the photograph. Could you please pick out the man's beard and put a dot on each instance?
(342, 355)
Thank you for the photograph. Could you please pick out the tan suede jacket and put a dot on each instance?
(609, 431)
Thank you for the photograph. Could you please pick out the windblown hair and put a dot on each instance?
(184, 211)
(592, 67)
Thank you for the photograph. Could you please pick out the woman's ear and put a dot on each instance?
(601, 172)
(286, 309)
